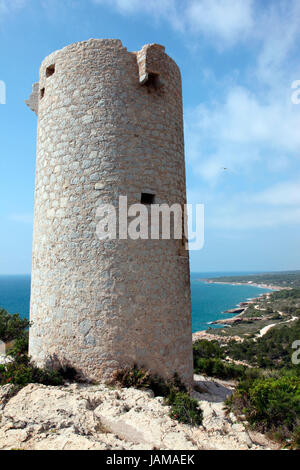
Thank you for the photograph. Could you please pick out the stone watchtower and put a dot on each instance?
(110, 124)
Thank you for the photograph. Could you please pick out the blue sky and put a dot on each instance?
(238, 60)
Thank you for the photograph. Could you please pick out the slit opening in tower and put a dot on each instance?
(42, 93)
(50, 70)
(152, 81)
(147, 198)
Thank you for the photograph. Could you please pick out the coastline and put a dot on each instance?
(249, 283)
(241, 309)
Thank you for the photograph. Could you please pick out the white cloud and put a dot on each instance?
(277, 29)
(167, 9)
(25, 218)
(241, 130)
(133, 6)
(228, 19)
(240, 218)
(278, 205)
(246, 118)
(286, 193)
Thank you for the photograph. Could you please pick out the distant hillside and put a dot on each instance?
(282, 279)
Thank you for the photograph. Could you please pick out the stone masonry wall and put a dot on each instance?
(104, 130)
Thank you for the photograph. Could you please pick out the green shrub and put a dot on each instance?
(271, 404)
(219, 369)
(274, 402)
(207, 349)
(209, 360)
(22, 372)
(20, 346)
(69, 373)
(273, 350)
(185, 409)
(11, 326)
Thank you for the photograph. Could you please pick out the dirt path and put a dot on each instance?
(265, 330)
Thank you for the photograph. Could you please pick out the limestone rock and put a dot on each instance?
(101, 417)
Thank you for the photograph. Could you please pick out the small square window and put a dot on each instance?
(42, 93)
(147, 198)
(50, 70)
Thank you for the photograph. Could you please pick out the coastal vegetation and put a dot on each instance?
(273, 350)
(209, 359)
(21, 371)
(280, 279)
(267, 396)
(18, 369)
(271, 404)
(277, 309)
(12, 327)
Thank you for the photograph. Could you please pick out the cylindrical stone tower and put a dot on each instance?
(110, 124)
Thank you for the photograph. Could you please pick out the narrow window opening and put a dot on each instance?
(147, 198)
(42, 93)
(50, 70)
(182, 251)
(153, 81)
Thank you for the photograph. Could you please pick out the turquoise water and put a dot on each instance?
(208, 300)
(15, 294)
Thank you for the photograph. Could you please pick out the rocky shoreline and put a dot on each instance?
(240, 311)
(242, 306)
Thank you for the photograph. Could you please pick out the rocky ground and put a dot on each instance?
(101, 417)
(4, 359)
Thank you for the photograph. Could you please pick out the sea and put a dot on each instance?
(209, 301)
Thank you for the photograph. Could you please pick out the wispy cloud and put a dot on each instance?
(228, 20)
(237, 218)
(10, 6)
(241, 130)
(159, 9)
(277, 29)
(286, 193)
(24, 218)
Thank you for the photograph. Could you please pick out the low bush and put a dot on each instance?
(21, 371)
(20, 346)
(270, 404)
(11, 326)
(207, 349)
(185, 409)
(219, 369)
(209, 359)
